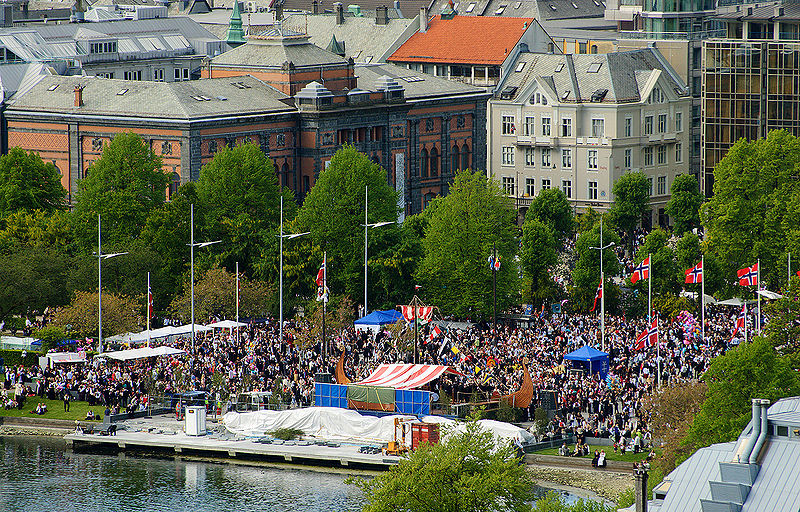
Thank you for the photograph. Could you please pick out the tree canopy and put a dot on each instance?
(631, 200)
(586, 275)
(684, 203)
(552, 208)
(538, 254)
(463, 227)
(662, 264)
(28, 184)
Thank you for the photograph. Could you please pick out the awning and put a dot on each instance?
(67, 357)
(225, 324)
(405, 376)
(139, 353)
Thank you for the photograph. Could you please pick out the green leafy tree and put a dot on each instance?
(37, 229)
(751, 370)
(554, 502)
(684, 203)
(552, 208)
(28, 183)
(631, 201)
(783, 328)
(240, 205)
(663, 265)
(461, 232)
(538, 254)
(333, 211)
(586, 275)
(50, 336)
(32, 279)
(466, 472)
(124, 186)
(121, 314)
(755, 211)
(393, 268)
(588, 219)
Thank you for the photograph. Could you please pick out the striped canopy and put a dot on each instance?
(405, 376)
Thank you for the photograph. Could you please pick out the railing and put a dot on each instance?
(638, 34)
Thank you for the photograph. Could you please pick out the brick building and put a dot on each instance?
(298, 102)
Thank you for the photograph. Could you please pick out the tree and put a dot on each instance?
(588, 219)
(32, 279)
(554, 502)
(684, 203)
(215, 297)
(240, 205)
(121, 314)
(783, 328)
(751, 370)
(333, 211)
(37, 229)
(662, 264)
(552, 208)
(586, 275)
(538, 254)
(755, 211)
(467, 472)
(29, 184)
(124, 186)
(631, 200)
(463, 228)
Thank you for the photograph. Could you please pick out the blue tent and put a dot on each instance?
(378, 318)
(589, 359)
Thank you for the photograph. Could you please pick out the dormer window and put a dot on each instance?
(106, 47)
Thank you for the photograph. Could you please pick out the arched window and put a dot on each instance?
(174, 183)
(285, 175)
(455, 159)
(464, 157)
(594, 48)
(434, 162)
(423, 163)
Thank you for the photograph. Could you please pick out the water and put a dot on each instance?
(38, 475)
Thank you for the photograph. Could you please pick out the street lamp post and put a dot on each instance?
(192, 245)
(367, 225)
(280, 287)
(100, 258)
(603, 293)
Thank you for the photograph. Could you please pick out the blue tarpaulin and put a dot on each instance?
(589, 359)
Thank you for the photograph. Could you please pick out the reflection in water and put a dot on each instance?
(37, 475)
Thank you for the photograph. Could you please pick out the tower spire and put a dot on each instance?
(235, 36)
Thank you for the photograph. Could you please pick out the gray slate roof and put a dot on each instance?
(542, 10)
(429, 86)
(263, 53)
(170, 100)
(622, 73)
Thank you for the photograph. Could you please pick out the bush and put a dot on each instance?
(14, 357)
(286, 433)
(50, 337)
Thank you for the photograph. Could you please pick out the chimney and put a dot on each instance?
(640, 488)
(423, 19)
(278, 10)
(397, 9)
(315, 7)
(381, 15)
(78, 95)
(339, 9)
(779, 11)
(749, 11)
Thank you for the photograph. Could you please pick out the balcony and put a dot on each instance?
(675, 36)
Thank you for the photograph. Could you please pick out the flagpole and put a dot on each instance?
(745, 320)
(758, 288)
(324, 304)
(280, 279)
(650, 312)
(494, 283)
(237, 303)
(366, 227)
(703, 299)
(789, 271)
(148, 309)
(415, 312)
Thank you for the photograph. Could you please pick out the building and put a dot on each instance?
(579, 122)
(163, 49)
(470, 49)
(751, 79)
(756, 473)
(298, 102)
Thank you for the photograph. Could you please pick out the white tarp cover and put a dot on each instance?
(139, 353)
(502, 431)
(323, 422)
(225, 324)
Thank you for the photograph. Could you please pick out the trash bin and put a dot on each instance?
(195, 421)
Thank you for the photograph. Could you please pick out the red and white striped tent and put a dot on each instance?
(405, 376)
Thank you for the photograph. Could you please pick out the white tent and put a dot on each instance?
(226, 324)
(139, 353)
(187, 329)
(769, 295)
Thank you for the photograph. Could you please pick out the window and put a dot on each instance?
(530, 187)
(132, 75)
(423, 163)
(508, 125)
(628, 158)
(158, 75)
(592, 190)
(434, 156)
(657, 96)
(455, 159)
(628, 126)
(508, 185)
(566, 158)
(464, 156)
(593, 49)
(530, 157)
(520, 67)
(508, 155)
(662, 185)
(650, 186)
(546, 157)
(592, 160)
(581, 47)
(181, 74)
(545, 183)
(679, 152)
(662, 155)
(566, 187)
(648, 156)
(598, 127)
(546, 126)
(648, 125)
(662, 123)
(105, 75)
(530, 126)
(678, 121)
(566, 127)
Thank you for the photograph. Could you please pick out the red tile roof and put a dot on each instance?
(464, 40)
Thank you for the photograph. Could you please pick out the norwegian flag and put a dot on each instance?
(322, 281)
(642, 271)
(648, 337)
(598, 295)
(739, 323)
(694, 275)
(435, 332)
(748, 276)
(149, 302)
(321, 274)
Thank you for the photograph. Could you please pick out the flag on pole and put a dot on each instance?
(798, 273)
(748, 276)
(598, 295)
(694, 274)
(642, 271)
(739, 323)
(322, 282)
(648, 337)
(149, 301)
(435, 332)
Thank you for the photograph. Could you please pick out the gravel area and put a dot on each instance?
(606, 484)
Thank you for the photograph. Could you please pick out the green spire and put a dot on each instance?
(235, 36)
(336, 47)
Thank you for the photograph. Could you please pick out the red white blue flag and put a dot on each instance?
(694, 275)
(598, 295)
(748, 276)
(642, 271)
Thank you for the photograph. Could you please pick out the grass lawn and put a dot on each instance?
(610, 455)
(55, 410)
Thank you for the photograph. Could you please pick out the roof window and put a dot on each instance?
(565, 95)
(520, 67)
(599, 94)
(574, 5)
(122, 92)
(517, 5)
(470, 7)
(559, 67)
(500, 9)
(552, 7)
(594, 67)
(53, 87)
(508, 92)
